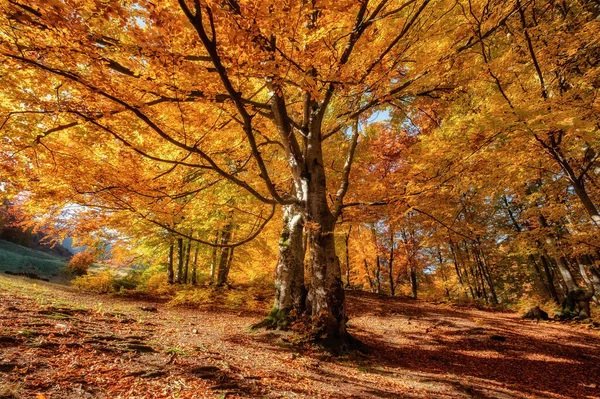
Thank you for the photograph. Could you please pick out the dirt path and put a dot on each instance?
(58, 343)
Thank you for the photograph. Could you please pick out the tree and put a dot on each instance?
(195, 77)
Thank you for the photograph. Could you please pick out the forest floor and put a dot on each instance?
(56, 342)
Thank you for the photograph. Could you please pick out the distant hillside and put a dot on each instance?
(18, 259)
(11, 231)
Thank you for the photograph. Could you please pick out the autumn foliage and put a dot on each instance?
(80, 263)
(441, 149)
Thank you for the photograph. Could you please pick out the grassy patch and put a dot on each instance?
(17, 259)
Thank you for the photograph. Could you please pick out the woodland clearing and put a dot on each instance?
(108, 347)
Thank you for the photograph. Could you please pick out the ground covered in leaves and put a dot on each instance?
(56, 342)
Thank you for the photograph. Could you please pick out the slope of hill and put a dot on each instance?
(18, 259)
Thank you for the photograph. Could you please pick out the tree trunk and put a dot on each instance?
(229, 260)
(371, 282)
(548, 273)
(180, 261)
(213, 260)
(542, 283)
(346, 241)
(443, 274)
(327, 291)
(488, 277)
(578, 185)
(290, 292)
(391, 263)
(195, 265)
(222, 270)
(186, 268)
(378, 275)
(457, 268)
(170, 271)
(413, 281)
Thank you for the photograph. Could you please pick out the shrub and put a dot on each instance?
(80, 263)
(101, 283)
(158, 286)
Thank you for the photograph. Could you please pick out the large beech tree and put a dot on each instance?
(269, 96)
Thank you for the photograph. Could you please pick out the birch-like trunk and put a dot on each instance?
(290, 292)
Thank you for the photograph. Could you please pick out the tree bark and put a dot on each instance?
(180, 261)
(195, 265)
(413, 282)
(327, 291)
(346, 242)
(223, 271)
(213, 260)
(488, 276)
(170, 271)
(391, 263)
(187, 262)
(371, 282)
(290, 292)
(378, 275)
(548, 273)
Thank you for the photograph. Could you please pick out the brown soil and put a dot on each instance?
(59, 343)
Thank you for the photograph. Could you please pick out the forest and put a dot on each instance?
(385, 198)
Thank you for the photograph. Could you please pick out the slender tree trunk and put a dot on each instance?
(595, 282)
(222, 270)
(170, 271)
(186, 268)
(213, 260)
(488, 277)
(457, 268)
(413, 281)
(180, 261)
(391, 263)
(378, 274)
(346, 241)
(230, 259)
(443, 274)
(371, 282)
(577, 182)
(195, 265)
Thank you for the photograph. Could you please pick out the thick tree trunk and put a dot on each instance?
(180, 261)
(290, 292)
(327, 291)
(170, 271)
